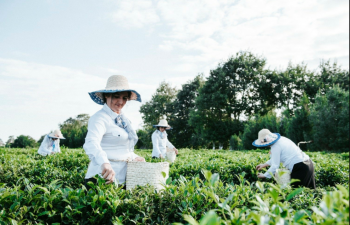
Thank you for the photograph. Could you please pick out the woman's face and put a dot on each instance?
(116, 101)
(161, 129)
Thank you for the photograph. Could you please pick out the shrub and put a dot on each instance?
(330, 119)
(23, 141)
(236, 143)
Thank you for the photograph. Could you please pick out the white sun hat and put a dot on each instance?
(266, 138)
(115, 83)
(56, 134)
(163, 123)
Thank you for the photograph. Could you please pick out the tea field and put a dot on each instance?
(204, 187)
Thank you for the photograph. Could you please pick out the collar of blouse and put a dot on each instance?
(108, 110)
(162, 134)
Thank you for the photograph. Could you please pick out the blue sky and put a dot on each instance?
(53, 52)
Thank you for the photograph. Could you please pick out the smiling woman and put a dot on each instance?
(111, 139)
(116, 101)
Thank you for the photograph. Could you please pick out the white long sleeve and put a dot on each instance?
(92, 145)
(155, 141)
(45, 148)
(274, 162)
(287, 152)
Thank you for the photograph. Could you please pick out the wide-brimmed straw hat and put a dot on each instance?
(266, 138)
(115, 83)
(163, 123)
(56, 134)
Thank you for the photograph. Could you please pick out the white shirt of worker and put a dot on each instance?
(287, 152)
(160, 144)
(105, 140)
(49, 146)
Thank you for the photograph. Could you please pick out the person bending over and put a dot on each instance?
(51, 143)
(285, 151)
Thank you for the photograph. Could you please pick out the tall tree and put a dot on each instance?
(292, 83)
(329, 117)
(297, 79)
(232, 90)
(183, 134)
(298, 127)
(332, 74)
(154, 109)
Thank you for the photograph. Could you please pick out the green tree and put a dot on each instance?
(236, 142)
(157, 106)
(329, 117)
(74, 130)
(298, 127)
(183, 135)
(144, 141)
(297, 79)
(332, 74)
(23, 141)
(291, 85)
(232, 90)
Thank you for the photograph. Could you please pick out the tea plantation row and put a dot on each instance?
(218, 186)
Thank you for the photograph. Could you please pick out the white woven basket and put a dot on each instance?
(143, 173)
(282, 176)
(170, 155)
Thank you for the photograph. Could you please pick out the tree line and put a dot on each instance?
(238, 98)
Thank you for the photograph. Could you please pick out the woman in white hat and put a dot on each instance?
(51, 143)
(160, 139)
(110, 140)
(285, 151)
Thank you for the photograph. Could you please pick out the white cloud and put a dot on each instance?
(209, 31)
(137, 13)
(37, 97)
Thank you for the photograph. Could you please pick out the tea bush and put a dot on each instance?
(204, 186)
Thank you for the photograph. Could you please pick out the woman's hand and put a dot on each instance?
(139, 159)
(160, 156)
(107, 173)
(176, 151)
(261, 166)
(261, 176)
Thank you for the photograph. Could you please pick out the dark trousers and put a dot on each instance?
(94, 181)
(305, 172)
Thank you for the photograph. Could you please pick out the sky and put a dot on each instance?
(53, 52)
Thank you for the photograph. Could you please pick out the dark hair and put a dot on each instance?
(104, 95)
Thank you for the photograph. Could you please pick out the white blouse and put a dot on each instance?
(48, 146)
(106, 141)
(287, 152)
(160, 144)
